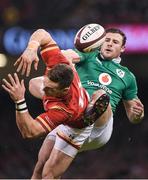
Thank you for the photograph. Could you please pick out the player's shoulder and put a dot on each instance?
(87, 55)
(127, 70)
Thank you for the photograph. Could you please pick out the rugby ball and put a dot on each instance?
(89, 37)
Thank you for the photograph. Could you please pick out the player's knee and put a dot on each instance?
(101, 141)
(97, 94)
(100, 92)
(32, 85)
(105, 136)
(104, 140)
(36, 87)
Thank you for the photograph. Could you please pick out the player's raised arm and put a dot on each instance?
(71, 55)
(28, 127)
(38, 38)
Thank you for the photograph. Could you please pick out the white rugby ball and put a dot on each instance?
(89, 37)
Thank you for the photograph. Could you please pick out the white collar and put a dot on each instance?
(116, 60)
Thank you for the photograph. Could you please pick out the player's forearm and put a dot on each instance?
(71, 55)
(27, 125)
(23, 122)
(40, 38)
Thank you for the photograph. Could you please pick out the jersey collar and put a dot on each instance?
(115, 60)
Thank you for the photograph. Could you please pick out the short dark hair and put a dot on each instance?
(61, 74)
(116, 30)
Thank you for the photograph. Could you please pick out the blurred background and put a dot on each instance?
(126, 154)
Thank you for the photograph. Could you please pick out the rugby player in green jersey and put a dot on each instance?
(99, 72)
(101, 69)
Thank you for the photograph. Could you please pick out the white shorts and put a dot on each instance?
(69, 140)
(99, 136)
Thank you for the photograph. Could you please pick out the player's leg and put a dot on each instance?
(99, 136)
(97, 106)
(36, 87)
(44, 154)
(68, 142)
(101, 131)
(56, 165)
(104, 118)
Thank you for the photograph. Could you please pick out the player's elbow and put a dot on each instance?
(45, 37)
(41, 32)
(28, 135)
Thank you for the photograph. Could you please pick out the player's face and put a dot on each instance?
(112, 47)
(52, 88)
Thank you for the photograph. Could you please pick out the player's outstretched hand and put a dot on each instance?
(24, 62)
(138, 108)
(14, 87)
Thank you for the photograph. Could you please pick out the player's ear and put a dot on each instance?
(122, 48)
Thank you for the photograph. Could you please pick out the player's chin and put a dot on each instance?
(108, 55)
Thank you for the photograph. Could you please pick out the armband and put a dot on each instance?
(21, 106)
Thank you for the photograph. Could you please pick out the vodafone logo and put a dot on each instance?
(105, 79)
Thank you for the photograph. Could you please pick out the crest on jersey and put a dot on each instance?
(120, 73)
(105, 78)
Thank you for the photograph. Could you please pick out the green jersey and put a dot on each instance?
(97, 73)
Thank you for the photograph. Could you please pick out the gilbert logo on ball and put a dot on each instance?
(89, 37)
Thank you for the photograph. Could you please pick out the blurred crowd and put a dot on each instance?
(71, 13)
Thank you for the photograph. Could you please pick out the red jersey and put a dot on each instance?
(68, 109)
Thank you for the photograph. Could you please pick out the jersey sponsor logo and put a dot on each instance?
(120, 73)
(100, 86)
(105, 78)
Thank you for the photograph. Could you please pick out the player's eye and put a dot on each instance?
(107, 40)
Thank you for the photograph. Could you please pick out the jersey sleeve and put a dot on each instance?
(84, 56)
(52, 55)
(52, 118)
(131, 91)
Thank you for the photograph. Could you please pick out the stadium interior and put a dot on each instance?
(126, 154)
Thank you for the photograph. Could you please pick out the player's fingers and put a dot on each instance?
(138, 111)
(16, 78)
(6, 83)
(20, 65)
(22, 83)
(12, 80)
(28, 70)
(36, 65)
(24, 67)
(6, 88)
(139, 108)
(17, 61)
(139, 103)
